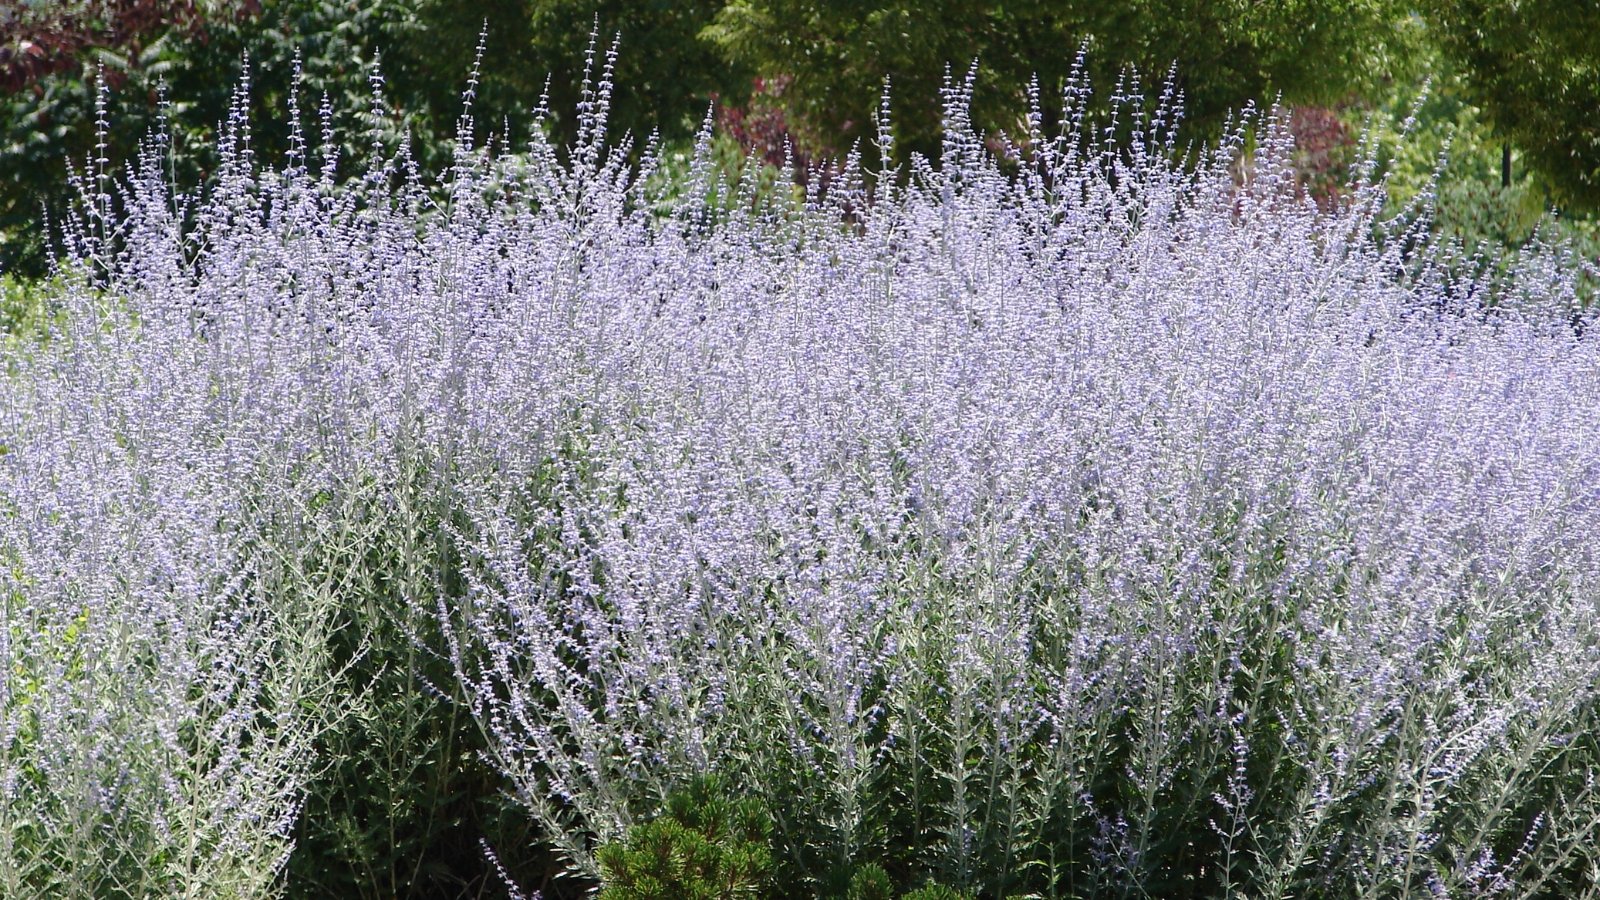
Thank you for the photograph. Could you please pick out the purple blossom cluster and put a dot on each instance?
(1115, 525)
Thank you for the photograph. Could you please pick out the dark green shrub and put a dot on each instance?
(705, 846)
(870, 882)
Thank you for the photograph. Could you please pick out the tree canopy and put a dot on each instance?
(1533, 66)
(816, 69)
(1224, 54)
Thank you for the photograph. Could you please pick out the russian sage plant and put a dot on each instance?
(1063, 520)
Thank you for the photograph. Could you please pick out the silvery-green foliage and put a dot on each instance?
(1111, 527)
(164, 670)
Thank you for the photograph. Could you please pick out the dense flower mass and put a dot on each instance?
(1089, 524)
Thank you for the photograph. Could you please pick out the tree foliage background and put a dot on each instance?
(1526, 71)
(1533, 67)
(1223, 54)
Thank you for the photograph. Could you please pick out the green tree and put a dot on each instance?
(1533, 67)
(58, 114)
(52, 56)
(666, 75)
(1224, 53)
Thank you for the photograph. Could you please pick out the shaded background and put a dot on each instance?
(1513, 82)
